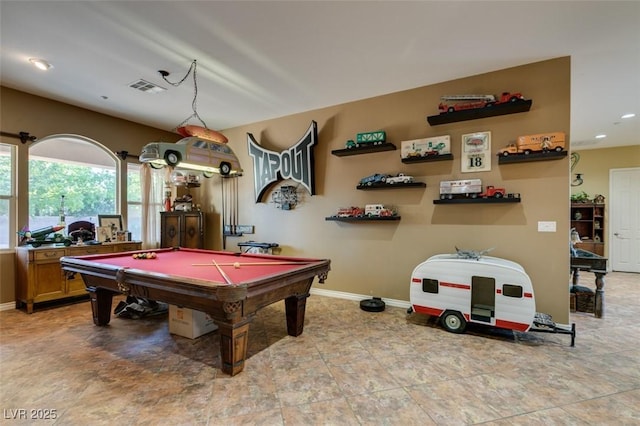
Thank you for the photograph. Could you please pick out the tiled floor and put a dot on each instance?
(349, 367)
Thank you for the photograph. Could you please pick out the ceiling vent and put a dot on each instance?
(146, 86)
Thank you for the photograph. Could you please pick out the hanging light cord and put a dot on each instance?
(194, 103)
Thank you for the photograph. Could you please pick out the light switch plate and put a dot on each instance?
(547, 226)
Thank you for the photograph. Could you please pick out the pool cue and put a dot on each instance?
(224, 222)
(236, 207)
(224, 275)
(250, 263)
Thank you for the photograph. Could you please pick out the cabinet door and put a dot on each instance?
(170, 230)
(75, 284)
(49, 282)
(193, 236)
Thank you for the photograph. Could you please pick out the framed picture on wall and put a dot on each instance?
(476, 152)
(112, 221)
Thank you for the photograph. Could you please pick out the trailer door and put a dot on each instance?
(483, 299)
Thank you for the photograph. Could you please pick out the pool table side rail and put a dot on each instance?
(196, 294)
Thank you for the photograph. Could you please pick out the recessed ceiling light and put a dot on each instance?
(41, 64)
(630, 115)
(601, 136)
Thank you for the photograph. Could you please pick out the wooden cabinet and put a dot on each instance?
(182, 229)
(40, 278)
(588, 220)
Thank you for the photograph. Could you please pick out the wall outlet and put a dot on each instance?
(240, 229)
(245, 229)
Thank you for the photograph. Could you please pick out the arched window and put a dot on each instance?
(71, 178)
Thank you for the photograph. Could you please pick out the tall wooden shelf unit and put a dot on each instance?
(182, 229)
(588, 220)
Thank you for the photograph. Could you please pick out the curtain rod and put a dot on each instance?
(23, 136)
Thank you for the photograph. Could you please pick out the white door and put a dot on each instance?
(624, 223)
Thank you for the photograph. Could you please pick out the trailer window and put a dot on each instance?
(511, 290)
(429, 285)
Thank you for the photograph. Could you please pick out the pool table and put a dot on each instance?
(230, 287)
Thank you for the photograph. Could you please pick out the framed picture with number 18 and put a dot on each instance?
(476, 152)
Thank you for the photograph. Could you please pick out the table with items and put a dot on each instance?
(583, 260)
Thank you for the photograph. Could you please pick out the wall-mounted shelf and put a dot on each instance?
(363, 218)
(479, 200)
(427, 159)
(392, 186)
(363, 150)
(535, 156)
(476, 113)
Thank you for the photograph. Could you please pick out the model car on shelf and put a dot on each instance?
(193, 153)
(367, 139)
(376, 178)
(542, 142)
(470, 188)
(379, 210)
(350, 212)
(427, 147)
(466, 102)
(399, 178)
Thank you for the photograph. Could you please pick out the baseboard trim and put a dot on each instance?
(320, 292)
(7, 306)
(358, 297)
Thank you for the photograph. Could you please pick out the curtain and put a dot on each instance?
(153, 184)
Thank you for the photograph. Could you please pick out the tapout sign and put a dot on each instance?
(295, 163)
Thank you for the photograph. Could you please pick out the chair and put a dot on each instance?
(81, 229)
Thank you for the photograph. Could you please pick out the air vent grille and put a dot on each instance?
(146, 86)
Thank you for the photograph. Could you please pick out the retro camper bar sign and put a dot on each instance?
(295, 163)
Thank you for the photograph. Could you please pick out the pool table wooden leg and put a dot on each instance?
(598, 305)
(234, 339)
(100, 305)
(295, 307)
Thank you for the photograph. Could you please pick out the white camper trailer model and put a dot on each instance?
(468, 287)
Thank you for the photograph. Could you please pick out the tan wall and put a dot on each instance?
(595, 164)
(42, 117)
(377, 258)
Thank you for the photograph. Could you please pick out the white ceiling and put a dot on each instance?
(264, 59)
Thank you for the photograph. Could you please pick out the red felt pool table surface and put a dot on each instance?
(193, 264)
(189, 277)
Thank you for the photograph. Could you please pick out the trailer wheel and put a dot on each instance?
(453, 322)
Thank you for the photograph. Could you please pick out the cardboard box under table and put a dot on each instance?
(189, 323)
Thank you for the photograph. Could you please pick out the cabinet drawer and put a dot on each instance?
(85, 250)
(41, 255)
(128, 247)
